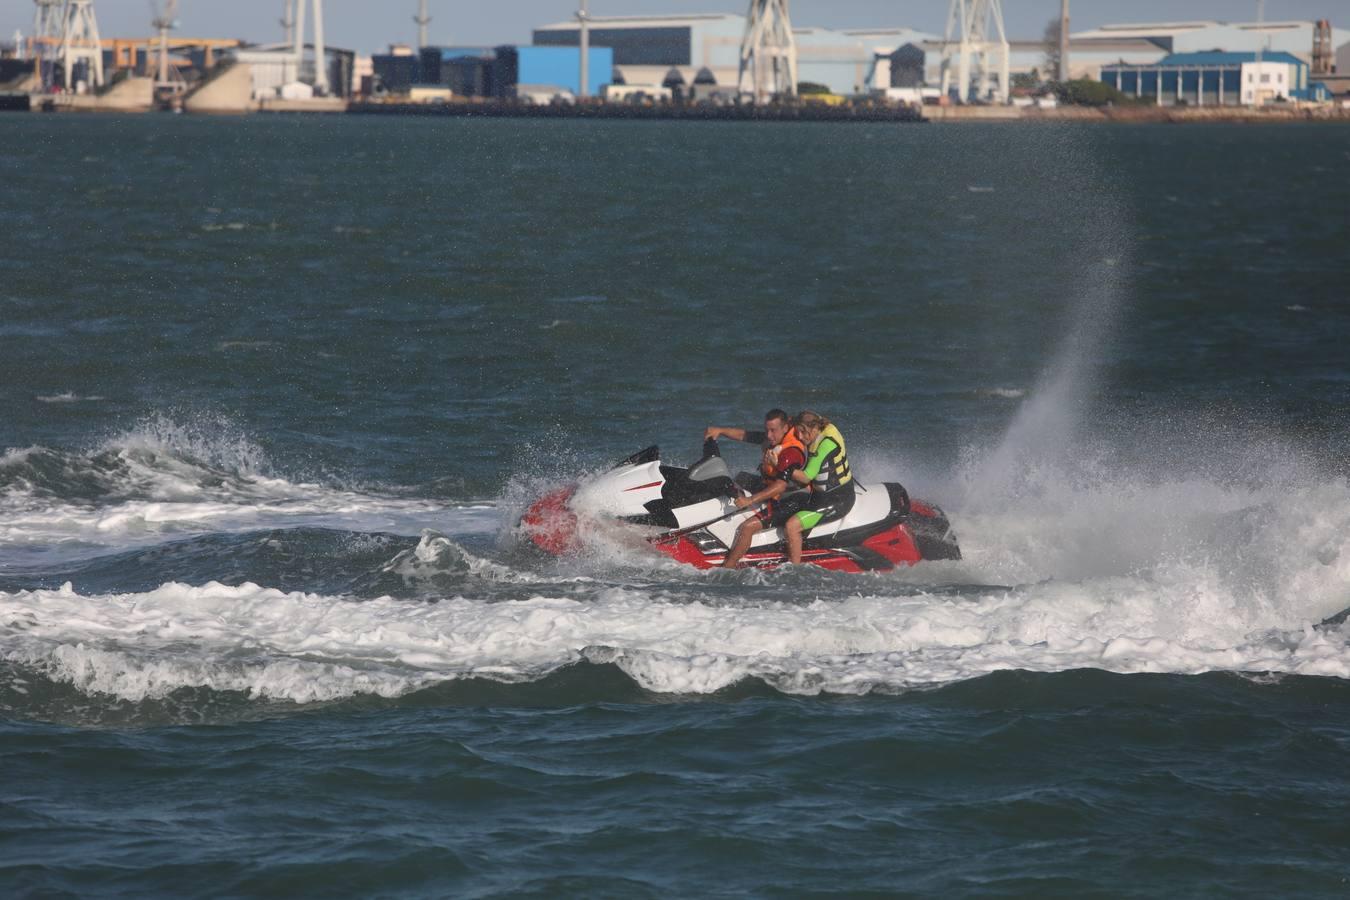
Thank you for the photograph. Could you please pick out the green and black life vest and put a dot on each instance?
(834, 471)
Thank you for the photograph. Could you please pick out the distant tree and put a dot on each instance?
(1050, 42)
(811, 87)
(1086, 92)
(1026, 80)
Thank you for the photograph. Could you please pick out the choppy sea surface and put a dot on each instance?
(273, 392)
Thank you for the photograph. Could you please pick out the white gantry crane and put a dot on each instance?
(66, 31)
(167, 79)
(768, 52)
(977, 47)
(48, 22)
(80, 41)
(320, 64)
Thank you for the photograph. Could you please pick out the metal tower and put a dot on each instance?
(47, 24)
(287, 20)
(164, 21)
(1323, 57)
(320, 66)
(423, 20)
(320, 61)
(1063, 74)
(80, 41)
(768, 52)
(584, 51)
(976, 41)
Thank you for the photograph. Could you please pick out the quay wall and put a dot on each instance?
(228, 91)
(805, 112)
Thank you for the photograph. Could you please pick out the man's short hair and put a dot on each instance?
(776, 413)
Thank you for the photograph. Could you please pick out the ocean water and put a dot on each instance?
(273, 392)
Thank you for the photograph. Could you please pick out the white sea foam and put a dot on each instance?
(67, 397)
(51, 531)
(163, 479)
(308, 647)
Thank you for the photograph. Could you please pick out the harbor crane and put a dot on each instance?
(48, 16)
(768, 65)
(423, 19)
(320, 67)
(168, 80)
(80, 42)
(66, 31)
(976, 46)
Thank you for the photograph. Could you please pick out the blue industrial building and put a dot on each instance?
(502, 72)
(1213, 78)
(532, 70)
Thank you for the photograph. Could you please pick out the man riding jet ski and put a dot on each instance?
(774, 500)
(691, 515)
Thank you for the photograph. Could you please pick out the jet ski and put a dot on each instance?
(688, 514)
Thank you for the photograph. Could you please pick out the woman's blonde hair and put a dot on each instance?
(808, 419)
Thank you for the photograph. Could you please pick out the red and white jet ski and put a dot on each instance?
(688, 514)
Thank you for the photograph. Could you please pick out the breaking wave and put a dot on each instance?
(306, 647)
(163, 480)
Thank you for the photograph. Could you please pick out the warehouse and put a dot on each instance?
(1213, 79)
(646, 48)
(1296, 38)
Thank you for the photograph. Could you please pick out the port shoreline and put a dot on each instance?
(797, 112)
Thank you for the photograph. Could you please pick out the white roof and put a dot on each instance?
(1165, 29)
(884, 32)
(1272, 26)
(1156, 29)
(645, 21)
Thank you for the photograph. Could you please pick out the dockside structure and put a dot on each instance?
(1214, 79)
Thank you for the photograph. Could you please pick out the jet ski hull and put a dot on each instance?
(884, 529)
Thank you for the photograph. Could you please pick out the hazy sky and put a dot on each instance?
(370, 25)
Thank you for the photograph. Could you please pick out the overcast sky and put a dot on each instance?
(370, 25)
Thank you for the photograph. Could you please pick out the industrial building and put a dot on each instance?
(647, 48)
(1214, 79)
(1216, 63)
(683, 51)
(396, 71)
(1198, 37)
(697, 57)
(675, 51)
(539, 74)
(275, 69)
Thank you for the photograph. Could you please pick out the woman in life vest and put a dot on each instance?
(826, 471)
(783, 450)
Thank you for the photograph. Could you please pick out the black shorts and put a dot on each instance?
(775, 513)
(827, 507)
